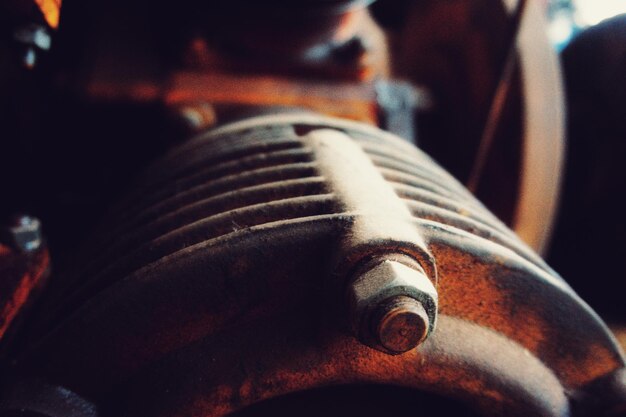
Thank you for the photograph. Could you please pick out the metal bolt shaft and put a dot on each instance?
(400, 324)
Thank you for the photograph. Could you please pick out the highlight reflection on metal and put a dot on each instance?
(51, 10)
(230, 264)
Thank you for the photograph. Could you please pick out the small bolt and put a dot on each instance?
(24, 234)
(400, 324)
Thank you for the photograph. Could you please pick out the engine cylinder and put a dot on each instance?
(293, 252)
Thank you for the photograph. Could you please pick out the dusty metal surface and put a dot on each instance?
(293, 253)
(231, 275)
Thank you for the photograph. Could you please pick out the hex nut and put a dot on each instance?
(393, 306)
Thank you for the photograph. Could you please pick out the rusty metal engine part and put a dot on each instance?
(24, 268)
(390, 104)
(496, 81)
(296, 252)
(462, 64)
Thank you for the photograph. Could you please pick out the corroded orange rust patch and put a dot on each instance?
(488, 293)
(478, 370)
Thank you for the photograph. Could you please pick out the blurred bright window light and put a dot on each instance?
(590, 12)
(568, 17)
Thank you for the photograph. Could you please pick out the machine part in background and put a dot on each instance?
(24, 267)
(32, 23)
(268, 256)
(497, 124)
(389, 103)
(297, 253)
(544, 145)
(334, 39)
(121, 57)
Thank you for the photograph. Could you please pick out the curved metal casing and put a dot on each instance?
(221, 281)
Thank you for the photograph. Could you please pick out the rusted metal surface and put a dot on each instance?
(356, 101)
(297, 252)
(385, 102)
(223, 280)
